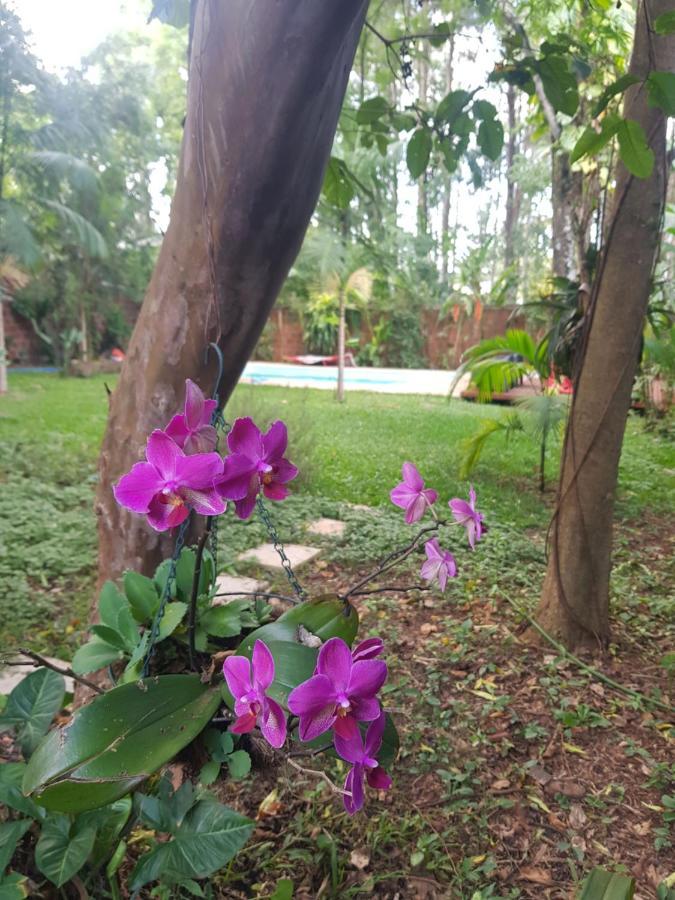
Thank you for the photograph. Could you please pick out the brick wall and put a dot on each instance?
(23, 345)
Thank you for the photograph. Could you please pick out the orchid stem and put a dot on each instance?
(318, 774)
(192, 615)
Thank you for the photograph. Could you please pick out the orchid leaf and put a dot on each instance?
(117, 741)
(142, 595)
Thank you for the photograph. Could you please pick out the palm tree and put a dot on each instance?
(495, 364)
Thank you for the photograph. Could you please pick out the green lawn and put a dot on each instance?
(51, 427)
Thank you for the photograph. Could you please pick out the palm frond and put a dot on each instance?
(546, 414)
(64, 166)
(473, 446)
(88, 238)
(495, 364)
(16, 236)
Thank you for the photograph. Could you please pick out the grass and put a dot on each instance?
(51, 428)
(478, 712)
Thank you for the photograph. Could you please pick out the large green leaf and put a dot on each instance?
(617, 87)
(13, 886)
(205, 841)
(491, 138)
(371, 110)
(63, 848)
(635, 152)
(592, 140)
(83, 233)
(108, 823)
(32, 705)
(10, 835)
(665, 23)
(451, 106)
(560, 84)
(661, 87)
(338, 185)
(116, 741)
(325, 617)
(418, 152)
(604, 885)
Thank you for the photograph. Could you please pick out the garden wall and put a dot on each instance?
(23, 345)
(445, 337)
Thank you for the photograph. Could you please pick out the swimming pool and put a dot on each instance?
(357, 378)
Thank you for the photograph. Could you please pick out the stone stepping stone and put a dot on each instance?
(229, 584)
(327, 527)
(267, 557)
(12, 675)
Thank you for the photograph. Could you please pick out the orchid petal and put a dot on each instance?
(275, 491)
(416, 509)
(354, 786)
(374, 735)
(367, 677)
(203, 440)
(163, 515)
(163, 454)
(136, 489)
(273, 723)
(178, 430)
(346, 727)
(368, 649)
(238, 476)
(263, 665)
(206, 503)
(311, 696)
(244, 507)
(275, 441)
(194, 405)
(335, 661)
(244, 724)
(237, 672)
(200, 470)
(350, 749)
(284, 471)
(412, 477)
(316, 723)
(245, 437)
(378, 779)
(365, 709)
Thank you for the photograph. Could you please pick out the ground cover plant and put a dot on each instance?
(524, 769)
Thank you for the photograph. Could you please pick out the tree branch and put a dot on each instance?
(39, 661)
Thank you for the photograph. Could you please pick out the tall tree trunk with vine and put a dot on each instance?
(265, 90)
(574, 605)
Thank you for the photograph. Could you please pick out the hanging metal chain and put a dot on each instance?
(279, 547)
(166, 594)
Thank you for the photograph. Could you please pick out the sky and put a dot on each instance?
(63, 32)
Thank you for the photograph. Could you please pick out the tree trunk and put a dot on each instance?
(566, 192)
(342, 327)
(447, 187)
(422, 198)
(513, 194)
(574, 605)
(266, 85)
(3, 349)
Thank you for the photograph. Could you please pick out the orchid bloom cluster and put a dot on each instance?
(412, 496)
(182, 471)
(340, 694)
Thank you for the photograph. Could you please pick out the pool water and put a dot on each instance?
(357, 378)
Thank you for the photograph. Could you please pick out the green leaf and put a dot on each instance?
(451, 106)
(11, 776)
(224, 620)
(239, 764)
(209, 837)
(325, 617)
(95, 655)
(661, 86)
(110, 636)
(418, 152)
(403, 122)
(604, 885)
(173, 616)
(338, 185)
(209, 772)
(617, 87)
(117, 741)
(441, 33)
(283, 890)
(491, 138)
(592, 141)
(636, 154)
(560, 85)
(110, 601)
(82, 232)
(665, 23)
(108, 823)
(60, 855)
(371, 110)
(142, 595)
(13, 886)
(10, 835)
(483, 110)
(32, 706)
(171, 12)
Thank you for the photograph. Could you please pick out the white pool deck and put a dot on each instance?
(357, 378)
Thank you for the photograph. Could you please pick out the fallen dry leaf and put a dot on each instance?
(359, 859)
(536, 876)
(577, 817)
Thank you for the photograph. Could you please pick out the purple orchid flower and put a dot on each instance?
(170, 484)
(440, 564)
(411, 495)
(340, 694)
(248, 681)
(365, 766)
(192, 429)
(368, 649)
(256, 461)
(467, 515)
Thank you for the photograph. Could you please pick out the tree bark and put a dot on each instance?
(574, 604)
(422, 93)
(447, 177)
(3, 349)
(342, 328)
(513, 194)
(266, 85)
